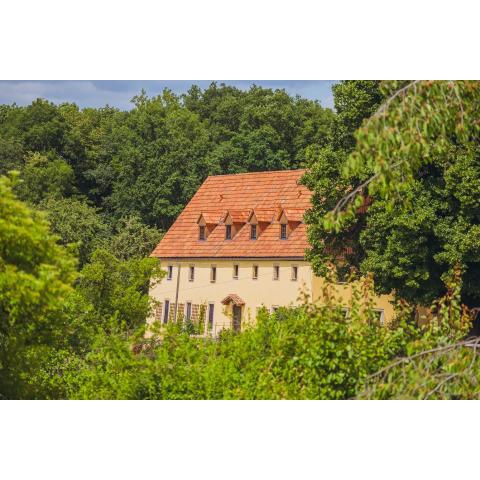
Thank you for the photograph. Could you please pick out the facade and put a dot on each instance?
(239, 245)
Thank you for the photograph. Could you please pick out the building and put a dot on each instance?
(239, 245)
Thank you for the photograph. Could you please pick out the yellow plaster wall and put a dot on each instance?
(344, 292)
(265, 291)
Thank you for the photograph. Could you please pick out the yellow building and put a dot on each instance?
(239, 245)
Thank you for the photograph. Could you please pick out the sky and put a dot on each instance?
(118, 93)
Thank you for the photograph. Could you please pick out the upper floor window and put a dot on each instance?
(253, 232)
(276, 272)
(228, 232)
(169, 272)
(255, 272)
(201, 232)
(191, 273)
(294, 273)
(235, 272)
(213, 274)
(283, 231)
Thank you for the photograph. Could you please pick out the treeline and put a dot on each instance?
(105, 166)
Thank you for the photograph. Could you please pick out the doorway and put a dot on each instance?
(237, 318)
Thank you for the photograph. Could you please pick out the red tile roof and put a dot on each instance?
(264, 193)
(233, 298)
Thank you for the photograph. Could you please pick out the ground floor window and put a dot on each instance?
(380, 315)
(188, 312)
(167, 311)
(211, 308)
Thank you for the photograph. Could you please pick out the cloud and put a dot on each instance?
(118, 93)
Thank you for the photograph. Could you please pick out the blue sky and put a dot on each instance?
(117, 93)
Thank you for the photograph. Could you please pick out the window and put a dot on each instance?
(169, 272)
(283, 231)
(188, 313)
(276, 272)
(228, 232)
(346, 312)
(255, 272)
(294, 273)
(166, 312)
(211, 307)
(213, 274)
(201, 233)
(191, 273)
(380, 315)
(253, 232)
(235, 272)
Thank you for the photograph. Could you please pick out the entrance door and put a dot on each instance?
(237, 318)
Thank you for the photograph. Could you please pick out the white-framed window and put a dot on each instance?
(235, 272)
(294, 273)
(188, 311)
(253, 232)
(276, 272)
(191, 273)
(169, 272)
(283, 231)
(166, 312)
(255, 272)
(213, 274)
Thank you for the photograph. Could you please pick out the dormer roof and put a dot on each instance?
(291, 214)
(262, 215)
(236, 216)
(210, 218)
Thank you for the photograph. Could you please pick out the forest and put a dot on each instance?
(85, 195)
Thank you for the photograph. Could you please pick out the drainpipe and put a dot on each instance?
(176, 295)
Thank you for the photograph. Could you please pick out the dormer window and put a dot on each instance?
(253, 232)
(283, 231)
(201, 232)
(228, 232)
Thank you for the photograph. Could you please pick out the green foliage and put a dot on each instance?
(45, 176)
(133, 238)
(75, 222)
(36, 275)
(305, 352)
(417, 158)
(355, 100)
(119, 289)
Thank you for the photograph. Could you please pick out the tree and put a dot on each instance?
(75, 222)
(118, 290)
(133, 239)
(418, 159)
(355, 100)
(36, 276)
(45, 176)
